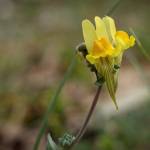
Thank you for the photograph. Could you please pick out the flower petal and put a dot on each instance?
(123, 40)
(90, 58)
(110, 27)
(89, 34)
(132, 40)
(100, 28)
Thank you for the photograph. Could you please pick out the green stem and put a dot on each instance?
(87, 119)
(113, 8)
(52, 104)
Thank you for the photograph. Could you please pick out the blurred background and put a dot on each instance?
(37, 43)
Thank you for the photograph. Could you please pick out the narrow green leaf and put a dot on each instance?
(51, 144)
(113, 8)
(52, 103)
(142, 49)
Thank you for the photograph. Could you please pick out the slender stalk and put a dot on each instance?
(87, 119)
(52, 104)
(140, 45)
(113, 8)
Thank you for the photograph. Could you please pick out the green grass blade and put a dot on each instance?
(113, 8)
(135, 62)
(141, 47)
(53, 103)
(51, 144)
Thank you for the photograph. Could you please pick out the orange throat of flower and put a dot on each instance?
(101, 48)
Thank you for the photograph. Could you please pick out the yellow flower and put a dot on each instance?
(105, 47)
(104, 40)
